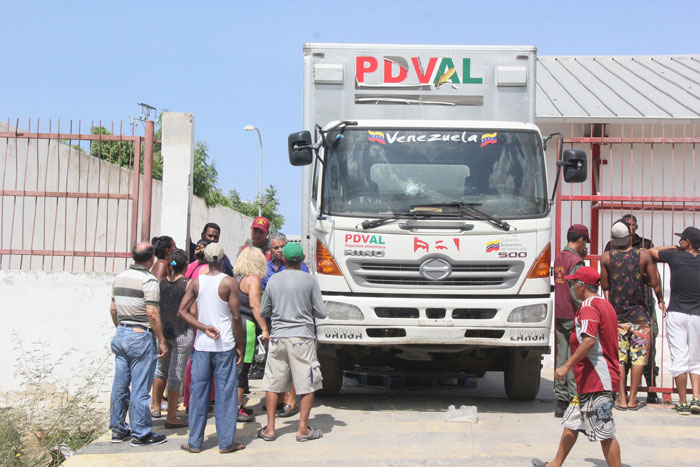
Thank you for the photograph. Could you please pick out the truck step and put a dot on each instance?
(388, 379)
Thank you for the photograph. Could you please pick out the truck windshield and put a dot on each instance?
(390, 171)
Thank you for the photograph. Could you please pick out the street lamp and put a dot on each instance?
(251, 128)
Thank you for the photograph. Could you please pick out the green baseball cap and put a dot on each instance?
(293, 252)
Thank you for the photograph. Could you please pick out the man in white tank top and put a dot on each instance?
(218, 348)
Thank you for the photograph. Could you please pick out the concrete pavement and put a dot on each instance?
(366, 426)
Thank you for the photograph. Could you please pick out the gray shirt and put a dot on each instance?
(293, 298)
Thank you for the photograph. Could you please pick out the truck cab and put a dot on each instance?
(426, 215)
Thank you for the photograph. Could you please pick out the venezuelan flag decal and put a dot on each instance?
(493, 246)
(489, 138)
(376, 137)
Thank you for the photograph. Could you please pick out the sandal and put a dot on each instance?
(156, 414)
(234, 448)
(619, 407)
(288, 411)
(175, 425)
(314, 433)
(261, 434)
(636, 407)
(186, 447)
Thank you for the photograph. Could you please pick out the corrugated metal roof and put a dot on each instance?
(618, 88)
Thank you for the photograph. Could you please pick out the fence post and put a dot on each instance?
(178, 161)
(147, 183)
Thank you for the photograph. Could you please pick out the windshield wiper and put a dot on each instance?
(468, 207)
(383, 220)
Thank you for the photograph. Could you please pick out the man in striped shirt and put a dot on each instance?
(594, 352)
(134, 310)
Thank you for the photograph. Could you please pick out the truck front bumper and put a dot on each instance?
(490, 329)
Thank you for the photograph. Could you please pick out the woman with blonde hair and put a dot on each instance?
(250, 269)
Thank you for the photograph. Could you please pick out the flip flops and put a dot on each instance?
(156, 414)
(314, 433)
(288, 411)
(186, 447)
(234, 448)
(261, 434)
(637, 407)
(621, 408)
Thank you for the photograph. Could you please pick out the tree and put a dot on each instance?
(270, 203)
(122, 152)
(205, 176)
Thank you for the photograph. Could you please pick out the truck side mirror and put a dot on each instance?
(301, 151)
(575, 166)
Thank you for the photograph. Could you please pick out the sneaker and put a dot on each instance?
(151, 439)
(694, 406)
(652, 398)
(247, 410)
(682, 409)
(120, 437)
(244, 416)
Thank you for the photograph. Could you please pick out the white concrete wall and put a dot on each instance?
(43, 302)
(66, 313)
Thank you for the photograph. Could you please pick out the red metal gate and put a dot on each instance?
(647, 170)
(69, 195)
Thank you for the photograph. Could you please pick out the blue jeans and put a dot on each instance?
(135, 360)
(222, 366)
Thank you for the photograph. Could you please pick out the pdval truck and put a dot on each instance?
(426, 215)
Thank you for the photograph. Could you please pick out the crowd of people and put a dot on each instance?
(197, 322)
(600, 339)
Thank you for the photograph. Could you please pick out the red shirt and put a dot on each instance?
(563, 264)
(599, 370)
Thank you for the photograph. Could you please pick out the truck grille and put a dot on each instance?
(464, 275)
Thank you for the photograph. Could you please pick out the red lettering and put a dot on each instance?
(356, 238)
(348, 237)
(364, 65)
(388, 78)
(424, 78)
(440, 246)
(456, 240)
(419, 244)
(365, 238)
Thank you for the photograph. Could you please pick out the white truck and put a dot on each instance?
(426, 215)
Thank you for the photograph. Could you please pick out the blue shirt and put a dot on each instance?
(271, 269)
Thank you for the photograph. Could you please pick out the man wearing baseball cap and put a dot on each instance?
(218, 348)
(293, 299)
(683, 316)
(594, 361)
(623, 270)
(565, 304)
(259, 230)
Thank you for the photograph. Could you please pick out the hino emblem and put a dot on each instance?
(370, 253)
(435, 269)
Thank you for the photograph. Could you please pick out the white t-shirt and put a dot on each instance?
(213, 312)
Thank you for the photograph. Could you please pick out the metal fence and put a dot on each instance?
(647, 170)
(69, 196)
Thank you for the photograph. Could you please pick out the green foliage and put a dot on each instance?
(205, 176)
(270, 203)
(206, 186)
(50, 418)
(122, 152)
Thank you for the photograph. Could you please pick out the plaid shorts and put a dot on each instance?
(591, 413)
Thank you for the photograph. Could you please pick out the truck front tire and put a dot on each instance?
(522, 375)
(332, 375)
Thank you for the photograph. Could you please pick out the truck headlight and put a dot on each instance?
(344, 311)
(528, 314)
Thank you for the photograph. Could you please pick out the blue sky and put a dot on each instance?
(237, 63)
